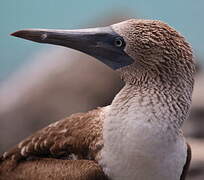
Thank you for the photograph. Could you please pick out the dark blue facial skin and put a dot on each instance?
(102, 43)
(109, 47)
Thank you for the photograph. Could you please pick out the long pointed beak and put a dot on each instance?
(97, 42)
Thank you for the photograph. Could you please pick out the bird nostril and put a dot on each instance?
(44, 36)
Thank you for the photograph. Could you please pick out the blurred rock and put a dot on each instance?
(195, 125)
(58, 83)
(194, 128)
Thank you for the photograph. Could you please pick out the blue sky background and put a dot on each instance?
(187, 16)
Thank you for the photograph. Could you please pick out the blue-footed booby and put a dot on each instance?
(138, 136)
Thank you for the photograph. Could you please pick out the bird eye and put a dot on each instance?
(118, 42)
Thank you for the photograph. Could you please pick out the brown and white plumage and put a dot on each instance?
(80, 134)
(76, 137)
(139, 135)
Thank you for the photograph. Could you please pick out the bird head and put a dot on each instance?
(142, 51)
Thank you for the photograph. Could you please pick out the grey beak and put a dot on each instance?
(97, 42)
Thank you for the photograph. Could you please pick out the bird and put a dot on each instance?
(137, 136)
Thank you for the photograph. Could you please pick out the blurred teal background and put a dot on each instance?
(184, 15)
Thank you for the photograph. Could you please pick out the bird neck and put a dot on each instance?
(155, 103)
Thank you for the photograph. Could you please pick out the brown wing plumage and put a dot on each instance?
(186, 166)
(52, 169)
(80, 134)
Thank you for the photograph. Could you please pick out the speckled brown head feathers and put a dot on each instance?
(158, 50)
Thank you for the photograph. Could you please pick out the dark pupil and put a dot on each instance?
(118, 42)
